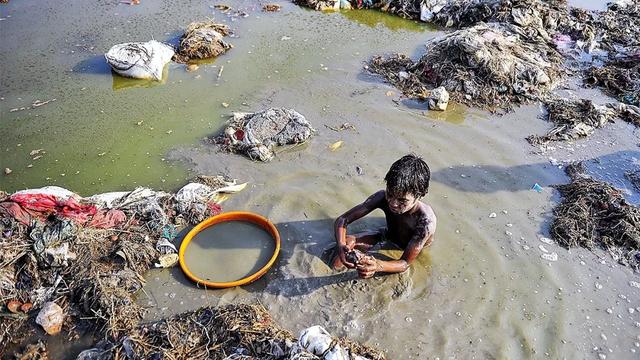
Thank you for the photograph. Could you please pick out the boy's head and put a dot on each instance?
(407, 181)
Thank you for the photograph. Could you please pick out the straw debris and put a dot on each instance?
(593, 215)
(619, 78)
(490, 66)
(573, 119)
(227, 332)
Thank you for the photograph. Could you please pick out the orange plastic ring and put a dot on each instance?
(231, 216)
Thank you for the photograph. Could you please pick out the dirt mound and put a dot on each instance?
(593, 214)
(488, 65)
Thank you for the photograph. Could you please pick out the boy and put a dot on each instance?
(410, 222)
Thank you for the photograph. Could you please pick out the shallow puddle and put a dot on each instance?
(229, 251)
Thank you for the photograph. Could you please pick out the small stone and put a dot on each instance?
(492, 215)
(609, 311)
(546, 240)
(7, 171)
(192, 67)
(50, 318)
(604, 337)
(225, 105)
(408, 319)
(598, 286)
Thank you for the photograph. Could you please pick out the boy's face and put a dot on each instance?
(400, 203)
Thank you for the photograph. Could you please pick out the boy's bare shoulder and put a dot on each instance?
(428, 213)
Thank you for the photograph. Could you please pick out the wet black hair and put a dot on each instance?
(410, 174)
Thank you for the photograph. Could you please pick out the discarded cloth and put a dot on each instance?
(47, 204)
(140, 60)
(256, 134)
(107, 219)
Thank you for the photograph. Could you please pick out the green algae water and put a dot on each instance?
(229, 251)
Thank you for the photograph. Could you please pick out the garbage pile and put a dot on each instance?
(593, 214)
(490, 66)
(573, 119)
(203, 40)
(68, 260)
(227, 332)
(256, 134)
(619, 78)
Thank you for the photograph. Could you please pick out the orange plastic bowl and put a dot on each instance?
(231, 216)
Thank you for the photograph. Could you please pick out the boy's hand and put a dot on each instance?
(342, 252)
(368, 266)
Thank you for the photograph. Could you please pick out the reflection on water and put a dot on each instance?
(373, 18)
(121, 82)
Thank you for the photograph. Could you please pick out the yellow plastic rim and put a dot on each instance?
(231, 216)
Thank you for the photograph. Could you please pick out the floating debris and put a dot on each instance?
(271, 7)
(203, 40)
(256, 134)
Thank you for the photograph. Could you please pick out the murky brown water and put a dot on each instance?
(481, 291)
(229, 251)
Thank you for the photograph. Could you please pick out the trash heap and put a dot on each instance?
(203, 40)
(490, 66)
(256, 134)
(619, 78)
(593, 215)
(573, 119)
(69, 261)
(146, 60)
(227, 332)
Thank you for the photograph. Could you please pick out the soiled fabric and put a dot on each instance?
(47, 204)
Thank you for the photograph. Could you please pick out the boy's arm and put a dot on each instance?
(423, 237)
(340, 226)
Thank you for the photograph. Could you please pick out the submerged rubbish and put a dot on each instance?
(203, 40)
(593, 214)
(53, 248)
(140, 60)
(488, 65)
(256, 134)
(225, 332)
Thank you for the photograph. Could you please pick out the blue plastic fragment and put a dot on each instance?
(536, 187)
